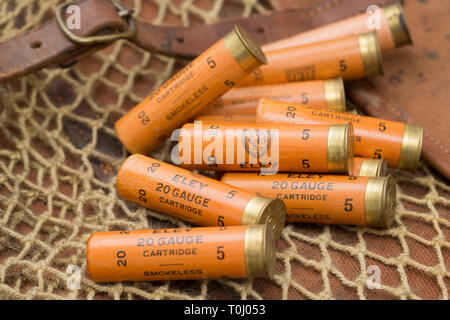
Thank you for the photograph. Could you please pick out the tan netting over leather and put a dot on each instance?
(59, 156)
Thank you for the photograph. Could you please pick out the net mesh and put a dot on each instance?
(59, 156)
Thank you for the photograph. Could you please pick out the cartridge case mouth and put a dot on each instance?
(260, 251)
(262, 210)
(244, 49)
(397, 24)
(411, 148)
(335, 94)
(340, 148)
(373, 168)
(380, 201)
(370, 53)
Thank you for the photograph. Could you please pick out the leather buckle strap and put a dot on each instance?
(122, 11)
(52, 43)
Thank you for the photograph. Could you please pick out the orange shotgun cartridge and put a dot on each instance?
(326, 94)
(364, 167)
(187, 253)
(189, 92)
(399, 143)
(266, 147)
(192, 197)
(350, 57)
(366, 201)
(232, 118)
(392, 30)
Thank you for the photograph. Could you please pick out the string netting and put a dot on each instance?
(59, 156)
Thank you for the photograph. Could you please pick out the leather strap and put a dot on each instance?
(191, 41)
(46, 45)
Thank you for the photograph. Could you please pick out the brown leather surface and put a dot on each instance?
(415, 85)
(414, 88)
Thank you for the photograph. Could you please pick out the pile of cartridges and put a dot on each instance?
(273, 125)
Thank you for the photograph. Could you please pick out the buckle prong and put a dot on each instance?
(126, 13)
(122, 12)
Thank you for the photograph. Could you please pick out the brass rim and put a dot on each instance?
(380, 201)
(335, 94)
(370, 53)
(397, 24)
(262, 210)
(373, 168)
(340, 148)
(259, 251)
(244, 49)
(411, 148)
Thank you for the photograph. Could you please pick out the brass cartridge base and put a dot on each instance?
(373, 168)
(244, 49)
(260, 251)
(371, 53)
(262, 210)
(411, 148)
(396, 21)
(380, 201)
(335, 94)
(340, 148)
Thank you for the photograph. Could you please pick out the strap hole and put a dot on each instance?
(180, 40)
(36, 44)
(260, 30)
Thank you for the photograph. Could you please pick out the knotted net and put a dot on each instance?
(59, 156)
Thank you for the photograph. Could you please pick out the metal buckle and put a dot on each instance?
(123, 12)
